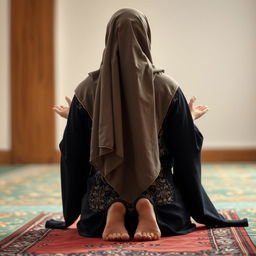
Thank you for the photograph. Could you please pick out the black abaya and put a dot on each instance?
(177, 194)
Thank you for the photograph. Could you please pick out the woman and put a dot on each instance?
(130, 155)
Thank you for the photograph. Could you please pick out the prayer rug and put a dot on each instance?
(34, 239)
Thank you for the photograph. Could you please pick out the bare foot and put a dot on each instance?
(147, 228)
(115, 228)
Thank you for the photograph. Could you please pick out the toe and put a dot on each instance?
(138, 236)
(114, 236)
(110, 237)
(144, 235)
(157, 236)
(148, 236)
(125, 237)
(151, 235)
(117, 236)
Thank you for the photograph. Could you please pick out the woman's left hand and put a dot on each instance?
(197, 111)
(63, 111)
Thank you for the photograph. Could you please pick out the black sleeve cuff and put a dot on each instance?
(57, 224)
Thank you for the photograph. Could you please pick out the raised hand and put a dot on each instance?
(63, 111)
(197, 111)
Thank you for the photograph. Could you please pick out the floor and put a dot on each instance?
(27, 190)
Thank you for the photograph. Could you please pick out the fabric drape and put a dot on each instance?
(125, 121)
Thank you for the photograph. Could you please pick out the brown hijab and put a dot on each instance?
(127, 99)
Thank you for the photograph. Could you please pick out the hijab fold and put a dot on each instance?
(127, 106)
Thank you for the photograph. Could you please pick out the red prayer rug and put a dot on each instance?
(34, 239)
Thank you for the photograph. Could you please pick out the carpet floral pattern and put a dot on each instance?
(34, 239)
(27, 190)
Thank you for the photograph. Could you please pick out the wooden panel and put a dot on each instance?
(57, 156)
(32, 81)
(208, 156)
(5, 157)
(229, 155)
(217, 155)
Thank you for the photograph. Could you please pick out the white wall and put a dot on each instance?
(5, 133)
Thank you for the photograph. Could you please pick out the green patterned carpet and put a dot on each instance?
(25, 191)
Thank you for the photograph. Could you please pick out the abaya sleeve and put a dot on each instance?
(184, 141)
(75, 166)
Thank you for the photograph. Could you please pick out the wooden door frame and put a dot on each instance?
(32, 81)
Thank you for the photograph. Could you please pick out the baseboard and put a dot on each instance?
(5, 157)
(228, 155)
(216, 155)
(57, 156)
(208, 156)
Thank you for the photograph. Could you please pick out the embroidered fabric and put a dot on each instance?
(161, 192)
(101, 194)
